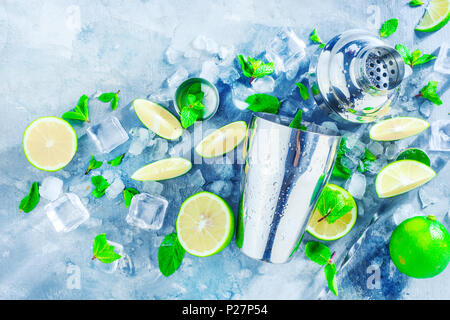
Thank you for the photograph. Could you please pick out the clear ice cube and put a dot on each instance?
(147, 211)
(240, 93)
(442, 62)
(108, 134)
(173, 55)
(440, 135)
(110, 267)
(210, 71)
(375, 148)
(221, 188)
(140, 140)
(264, 85)
(177, 77)
(152, 187)
(356, 185)
(229, 75)
(66, 213)
(196, 180)
(51, 188)
(159, 148)
(115, 189)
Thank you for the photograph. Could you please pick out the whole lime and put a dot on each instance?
(420, 247)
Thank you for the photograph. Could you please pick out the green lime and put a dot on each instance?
(414, 154)
(435, 17)
(420, 247)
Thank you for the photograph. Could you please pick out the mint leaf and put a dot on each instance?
(303, 90)
(128, 194)
(366, 161)
(404, 52)
(316, 39)
(415, 3)
(424, 59)
(247, 69)
(193, 107)
(31, 200)
(110, 97)
(340, 170)
(318, 252)
(100, 184)
(429, 92)
(388, 28)
(261, 102)
(170, 254)
(93, 164)
(80, 112)
(264, 70)
(254, 68)
(103, 251)
(332, 205)
(116, 161)
(296, 122)
(414, 58)
(330, 275)
(190, 114)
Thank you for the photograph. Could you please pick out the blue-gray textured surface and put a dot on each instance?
(52, 52)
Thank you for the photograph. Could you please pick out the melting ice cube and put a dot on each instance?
(147, 211)
(108, 134)
(66, 213)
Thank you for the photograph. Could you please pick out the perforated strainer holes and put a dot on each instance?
(381, 69)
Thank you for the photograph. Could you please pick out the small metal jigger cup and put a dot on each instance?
(284, 172)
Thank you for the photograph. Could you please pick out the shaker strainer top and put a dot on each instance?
(356, 76)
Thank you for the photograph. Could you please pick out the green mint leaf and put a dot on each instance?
(128, 194)
(429, 92)
(264, 69)
(332, 205)
(31, 200)
(110, 97)
(170, 254)
(330, 275)
(424, 59)
(415, 55)
(369, 155)
(73, 115)
(100, 184)
(318, 252)
(388, 28)
(255, 63)
(80, 112)
(415, 3)
(405, 53)
(188, 116)
(195, 88)
(303, 90)
(93, 164)
(103, 251)
(296, 122)
(247, 69)
(315, 38)
(116, 161)
(339, 170)
(261, 102)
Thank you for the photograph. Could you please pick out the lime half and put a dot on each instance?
(205, 224)
(49, 143)
(331, 231)
(435, 17)
(402, 176)
(415, 154)
(397, 128)
(163, 170)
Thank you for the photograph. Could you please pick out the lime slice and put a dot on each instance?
(402, 176)
(49, 143)
(222, 140)
(397, 128)
(163, 169)
(435, 17)
(331, 231)
(414, 154)
(158, 119)
(205, 224)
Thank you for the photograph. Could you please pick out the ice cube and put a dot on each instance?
(66, 213)
(147, 211)
(108, 134)
(196, 180)
(440, 135)
(159, 149)
(425, 109)
(292, 64)
(403, 212)
(290, 107)
(199, 42)
(264, 85)
(224, 171)
(427, 196)
(375, 166)
(356, 185)
(210, 71)
(82, 189)
(51, 188)
(115, 189)
(330, 125)
(229, 75)
(355, 148)
(221, 188)
(226, 55)
(240, 93)
(140, 141)
(163, 96)
(177, 77)
(442, 63)
(391, 151)
(152, 187)
(173, 56)
(110, 267)
(375, 148)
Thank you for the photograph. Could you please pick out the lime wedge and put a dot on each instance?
(435, 17)
(163, 169)
(49, 143)
(222, 140)
(205, 224)
(414, 154)
(331, 231)
(402, 176)
(158, 119)
(397, 128)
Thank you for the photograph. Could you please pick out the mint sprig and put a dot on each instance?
(100, 184)
(332, 205)
(314, 36)
(321, 254)
(112, 97)
(388, 28)
(429, 92)
(303, 90)
(103, 251)
(170, 254)
(192, 108)
(30, 201)
(80, 112)
(366, 161)
(261, 102)
(415, 3)
(339, 169)
(254, 68)
(413, 58)
(128, 194)
(296, 122)
(116, 161)
(93, 164)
